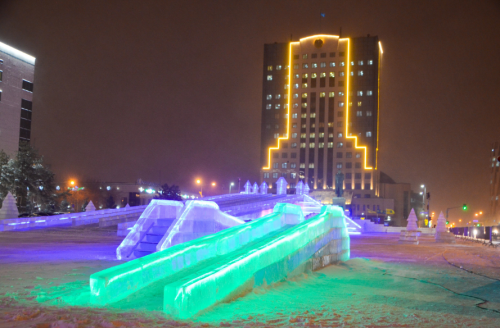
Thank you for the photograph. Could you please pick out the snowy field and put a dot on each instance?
(383, 285)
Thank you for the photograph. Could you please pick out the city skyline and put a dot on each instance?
(164, 90)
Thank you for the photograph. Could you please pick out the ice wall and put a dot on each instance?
(157, 209)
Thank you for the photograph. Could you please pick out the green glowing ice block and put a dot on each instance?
(267, 261)
(116, 283)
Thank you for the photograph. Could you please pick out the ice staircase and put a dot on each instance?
(150, 240)
(352, 227)
(189, 277)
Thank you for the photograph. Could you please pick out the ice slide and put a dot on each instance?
(198, 274)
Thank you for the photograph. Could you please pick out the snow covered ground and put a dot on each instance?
(384, 284)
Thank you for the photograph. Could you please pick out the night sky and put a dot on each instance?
(150, 89)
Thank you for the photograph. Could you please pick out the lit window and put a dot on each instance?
(304, 105)
(369, 93)
(313, 115)
(285, 106)
(314, 75)
(322, 75)
(342, 63)
(341, 93)
(359, 103)
(295, 95)
(303, 115)
(285, 96)
(339, 135)
(360, 73)
(358, 155)
(302, 165)
(304, 56)
(285, 115)
(321, 145)
(322, 65)
(330, 145)
(269, 97)
(295, 85)
(278, 96)
(340, 145)
(275, 175)
(339, 165)
(302, 145)
(266, 175)
(311, 165)
(277, 106)
(360, 93)
(322, 94)
(352, 63)
(303, 135)
(312, 135)
(294, 125)
(286, 86)
(304, 85)
(296, 76)
(314, 65)
(350, 103)
(294, 145)
(284, 165)
(360, 62)
(269, 68)
(296, 66)
(304, 95)
(304, 125)
(268, 106)
(293, 175)
(359, 113)
(332, 64)
(295, 105)
(368, 113)
(294, 115)
(305, 65)
(305, 76)
(269, 77)
(368, 133)
(370, 62)
(321, 135)
(285, 135)
(276, 135)
(341, 104)
(311, 145)
(332, 74)
(278, 67)
(341, 74)
(331, 94)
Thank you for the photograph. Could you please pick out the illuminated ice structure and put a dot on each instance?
(410, 235)
(90, 207)
(198, 274)
(9, 208)
(442, 234)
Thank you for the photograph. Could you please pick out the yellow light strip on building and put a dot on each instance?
(288, 112)
(347, 105)
(380, 47)
(319, 36)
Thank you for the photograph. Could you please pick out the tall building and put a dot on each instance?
(320, 113)
(494, 212)
(17, 71)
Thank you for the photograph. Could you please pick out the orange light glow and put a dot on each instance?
(480, 212)
(198, 181)
(72, 182)
(380, 47)
(213, 184)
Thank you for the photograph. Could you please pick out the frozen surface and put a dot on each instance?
(384, 285)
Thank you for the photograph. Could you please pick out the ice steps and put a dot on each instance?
(151, 239)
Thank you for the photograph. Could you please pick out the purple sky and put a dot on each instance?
(129, 89)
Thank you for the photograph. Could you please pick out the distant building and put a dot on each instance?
(320, 113)
(494, 210)
(17, 71)
(400, 192)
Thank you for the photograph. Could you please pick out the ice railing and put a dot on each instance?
(198, 219)
(270, 261)
(118, 282)
(157, 209)
(66, 219)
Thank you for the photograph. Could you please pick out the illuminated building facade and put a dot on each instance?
(495, 181)
(320, 112)
(17, 71)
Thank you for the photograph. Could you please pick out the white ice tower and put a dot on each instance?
(410, 235)
(281, 186)
(263, 188)
(442, 234)
(90, 207)
(255, 188)
(248, 188)
(9, 208)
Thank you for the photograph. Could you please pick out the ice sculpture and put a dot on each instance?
(118, 282)
(263, 188)
(248, 187)
(281, 186)
(442, 234)
(306, 189)
(311, 244)
(90, 207)
(255, 188)
(299, 188)
(127, 206)
(410, 235)
(9, 208)
(199, 218)
(153, 214)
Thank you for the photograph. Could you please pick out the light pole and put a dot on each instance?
(230, 185)
(198, 181)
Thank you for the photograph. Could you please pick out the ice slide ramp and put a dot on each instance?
(198, 274)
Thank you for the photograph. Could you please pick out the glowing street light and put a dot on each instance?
(198, 181)
(213, 184)
(230, 185)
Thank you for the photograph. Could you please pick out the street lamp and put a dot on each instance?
(198, 181)
(230, 185)
(213, 184)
